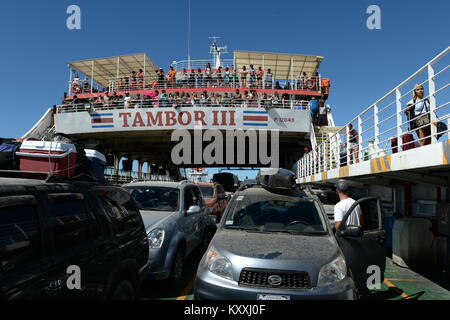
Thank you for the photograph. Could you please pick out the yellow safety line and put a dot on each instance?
(187, 290)
(375, 166)
(407, 280)
(404, 295)
(383, 165)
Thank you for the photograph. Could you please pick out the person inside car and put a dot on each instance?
(344, 205)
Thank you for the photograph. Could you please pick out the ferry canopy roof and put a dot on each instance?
(283, 65)
(103, 69)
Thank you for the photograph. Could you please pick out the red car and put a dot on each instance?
(215, 198)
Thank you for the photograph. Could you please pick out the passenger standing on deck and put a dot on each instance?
(323, 113)
(342, 207)
(208, 75)
(227, 77)
(259, 77)
(172, 77)
(269, 78)
(199, 79)
(192, 79)
(419, 114)
(141, 78)
(244, 77)
(252, 73)
(354, 144)
(127, 100)
(161, 78)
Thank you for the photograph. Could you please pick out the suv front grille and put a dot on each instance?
(289, 279)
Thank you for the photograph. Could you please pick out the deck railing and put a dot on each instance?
(384, 128)
(193, 81)
(174, 103)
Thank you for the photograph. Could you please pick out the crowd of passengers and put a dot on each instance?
(159, 98)
(208, 78)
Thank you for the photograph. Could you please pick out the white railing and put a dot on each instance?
(201, 64)
(123, 176)
(199, 80)
(384, 123)
(184, 102)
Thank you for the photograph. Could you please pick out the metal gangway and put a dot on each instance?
(383, 146)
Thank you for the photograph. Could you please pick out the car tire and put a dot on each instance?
(124, 291)
(176, 272)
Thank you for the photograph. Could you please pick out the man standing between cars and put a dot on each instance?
(341, 208)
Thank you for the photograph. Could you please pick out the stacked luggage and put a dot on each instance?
(407, 143)
(64, 160)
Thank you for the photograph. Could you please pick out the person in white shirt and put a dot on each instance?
(418, 113)
(341, 208)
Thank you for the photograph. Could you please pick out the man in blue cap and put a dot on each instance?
(341, 208)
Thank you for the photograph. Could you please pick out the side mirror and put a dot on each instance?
(194, 210)
(222, 196)
(352, 232)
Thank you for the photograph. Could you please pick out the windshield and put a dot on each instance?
(156, 198)
(208, 192)
(275, 213)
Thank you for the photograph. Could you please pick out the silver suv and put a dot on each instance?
(174, 215)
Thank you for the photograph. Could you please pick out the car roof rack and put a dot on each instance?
(47, 177)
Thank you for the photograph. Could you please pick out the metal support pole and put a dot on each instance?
(70, 81)
(432, 90)
(398, 101)
(376, 131)
(139, 168)
(116, 165)
(117, 73)
(143, 84)
(92, 75)
(264, 70)
(348, 145)
(359, 155)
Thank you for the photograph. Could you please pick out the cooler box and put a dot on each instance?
(97, 163)
(47, 156)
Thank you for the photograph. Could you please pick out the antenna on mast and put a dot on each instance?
(216, 51)
(189, 34)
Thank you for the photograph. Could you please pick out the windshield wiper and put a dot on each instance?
(298, 232)
(242, 228)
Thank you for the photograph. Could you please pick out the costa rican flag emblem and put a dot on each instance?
(256, 118)
(102, 120)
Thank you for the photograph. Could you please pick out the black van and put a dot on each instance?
(74, 240)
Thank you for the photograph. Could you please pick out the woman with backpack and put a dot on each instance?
(418, 114)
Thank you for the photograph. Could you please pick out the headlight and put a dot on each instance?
(218, 264)
(333, 272)
(156, 238)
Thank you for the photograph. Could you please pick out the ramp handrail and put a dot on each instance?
(384, 128)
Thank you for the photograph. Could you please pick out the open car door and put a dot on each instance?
(364, 246)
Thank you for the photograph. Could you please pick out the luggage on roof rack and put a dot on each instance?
(277, 178)
(48, 156)
(8, 158)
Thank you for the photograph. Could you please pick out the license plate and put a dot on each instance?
(272, 297)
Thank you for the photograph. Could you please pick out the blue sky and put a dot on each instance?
(362, 64)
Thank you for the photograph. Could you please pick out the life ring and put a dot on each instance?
(311, 84)
(76, 88)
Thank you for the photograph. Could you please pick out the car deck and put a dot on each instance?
(399, 284)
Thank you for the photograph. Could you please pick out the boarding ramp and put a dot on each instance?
(43, 127)
(376, 154)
